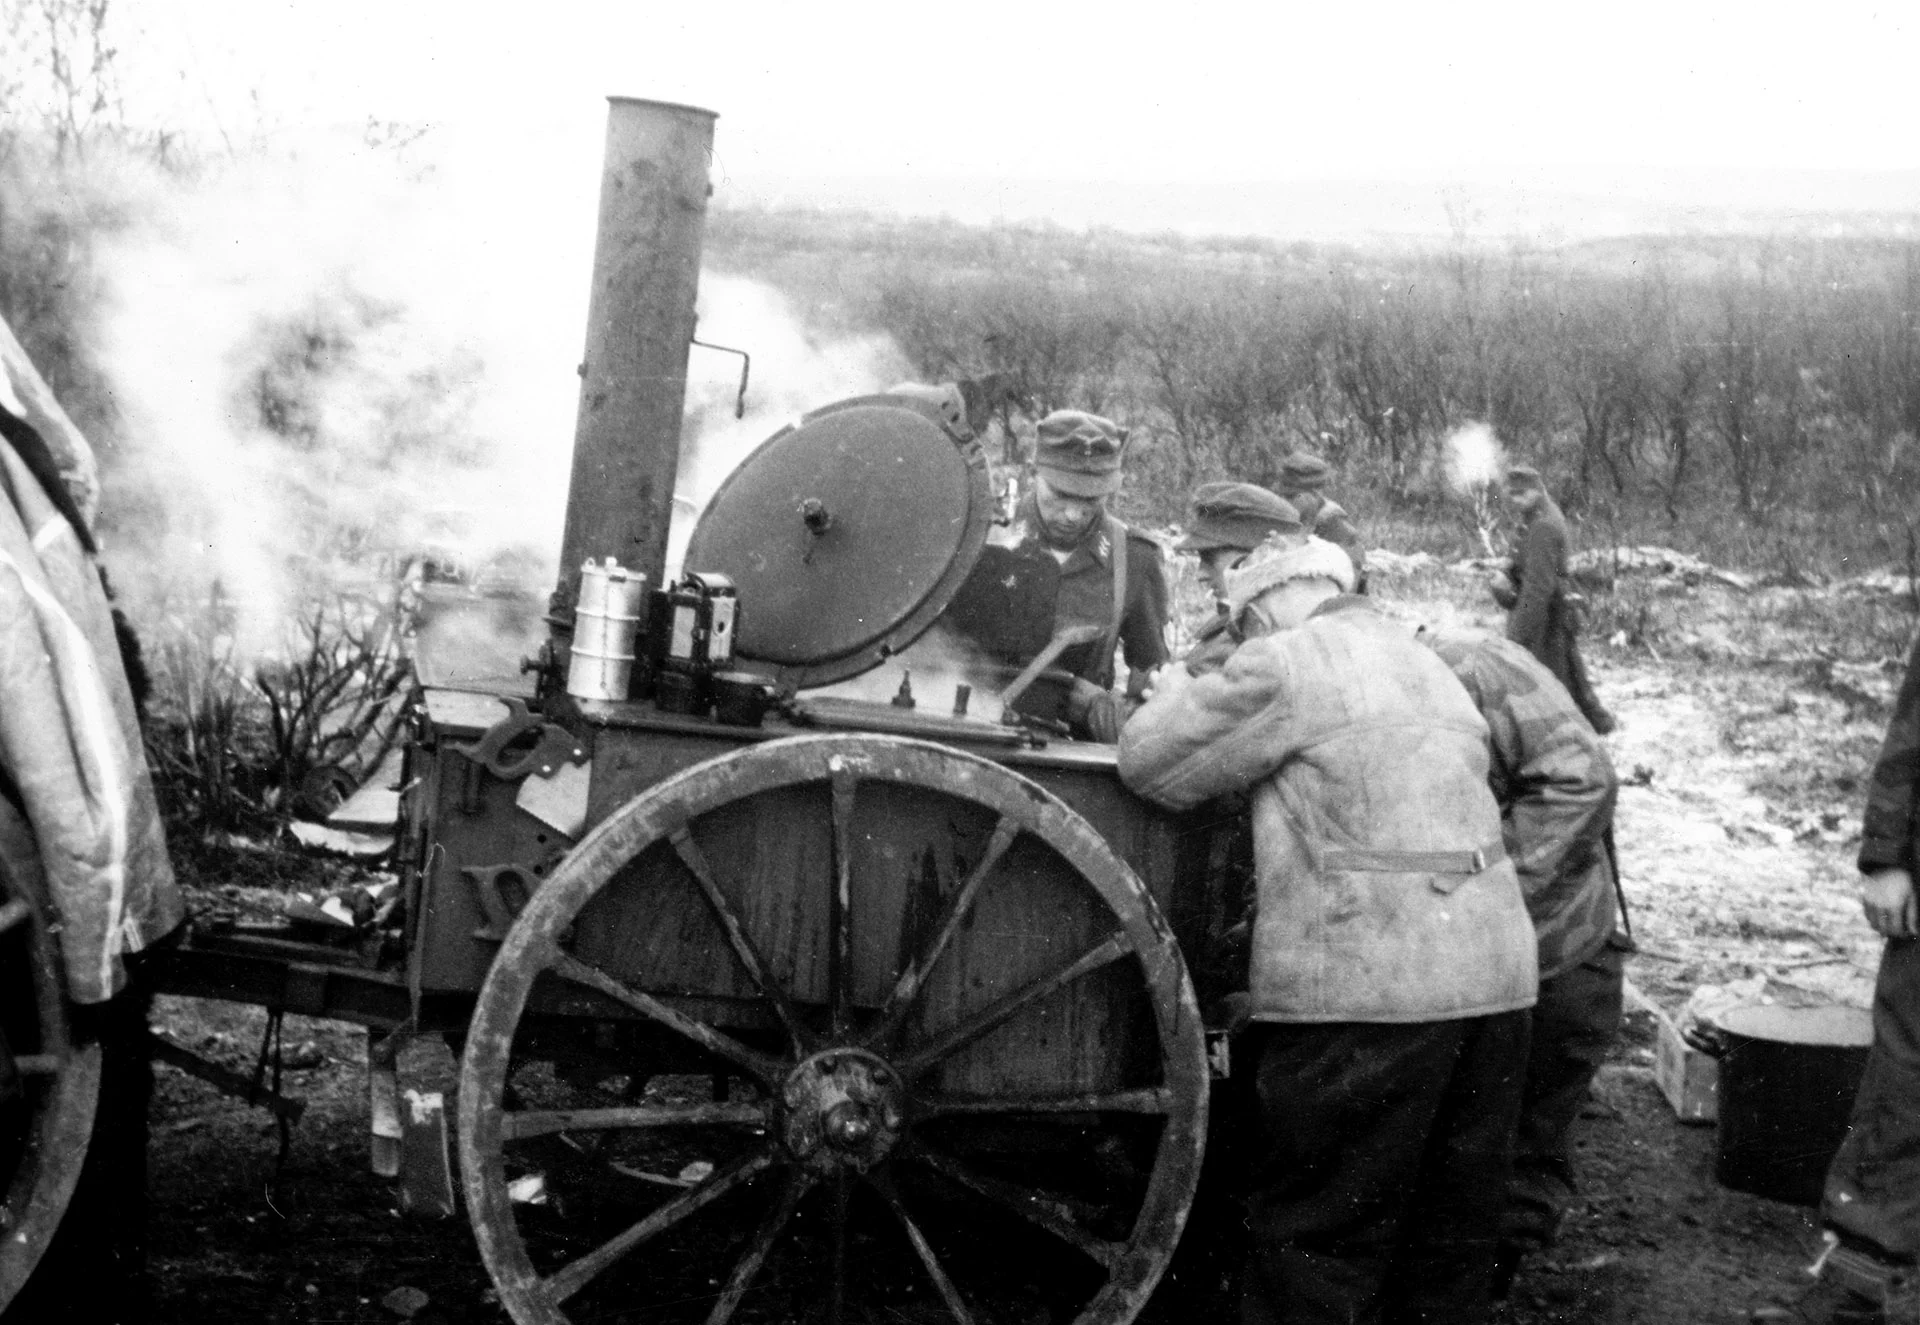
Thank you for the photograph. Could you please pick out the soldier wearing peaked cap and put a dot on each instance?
(1236, 517)
(1230, 520)
(1302, 476)
(1543, 615)
(1066, 561)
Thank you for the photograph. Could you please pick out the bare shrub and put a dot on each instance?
(243, 748)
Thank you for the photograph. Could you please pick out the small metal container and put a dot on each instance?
(741, 699)
(606, 622)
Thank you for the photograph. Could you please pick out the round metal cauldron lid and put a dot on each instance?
(1832, 1026)
(846, 535)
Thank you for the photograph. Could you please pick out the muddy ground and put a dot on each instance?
(1736, 829)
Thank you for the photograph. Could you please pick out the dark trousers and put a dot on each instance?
(1873, 1185)
(1574, 1024)
(1581, 688)
(1385, 1153)
(1560, 654)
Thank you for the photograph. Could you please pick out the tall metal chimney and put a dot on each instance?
(640, 321)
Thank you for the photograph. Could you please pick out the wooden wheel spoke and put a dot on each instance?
(760, 1065)
(756, 1254)
(13, 913)
(840, 905)
(912, 980)
(816, 984)
(1049, 1213)
(996, 1013)
(575, 1275)
(837, 1293)
(743, 947)
(1145, 1099)
(956, 1305)
(545, 1122)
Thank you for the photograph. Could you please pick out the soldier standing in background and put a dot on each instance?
(1230, 520)
(1302, 476)
(1871, 1207)
(1543, 614)
(1556, 789)
(1393, 961)
(1065, 561)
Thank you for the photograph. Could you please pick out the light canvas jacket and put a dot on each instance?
(79, 828)
(1384, 893)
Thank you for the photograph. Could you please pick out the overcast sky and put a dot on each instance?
(1225, 92)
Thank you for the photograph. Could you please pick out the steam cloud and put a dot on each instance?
(330, 361)
(1473, 458)
(340, 358)
(794, 371)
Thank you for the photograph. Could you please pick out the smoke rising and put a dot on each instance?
(793, 371)
(335, 359)
(1473, 458)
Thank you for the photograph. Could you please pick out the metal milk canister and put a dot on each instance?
(606, 621)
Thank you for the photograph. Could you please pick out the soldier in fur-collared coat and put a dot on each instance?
(1393, 962)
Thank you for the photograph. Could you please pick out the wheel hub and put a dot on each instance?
(841, 1109)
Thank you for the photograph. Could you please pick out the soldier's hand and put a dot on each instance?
(1165, 682)
(1081, 697)
(1096, 713)
(1887, 897)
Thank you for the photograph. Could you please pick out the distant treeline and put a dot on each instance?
(1754, 400)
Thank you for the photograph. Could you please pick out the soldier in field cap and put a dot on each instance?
(1303, 475)
(1391, 964)
(1543, 610)
(1079, 454)
(1066, 561)
(1230, 520)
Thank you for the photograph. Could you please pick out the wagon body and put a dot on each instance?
(475, 852)
(930, 970)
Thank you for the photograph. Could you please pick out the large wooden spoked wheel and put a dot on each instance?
(961, 1075)
(48, 1101)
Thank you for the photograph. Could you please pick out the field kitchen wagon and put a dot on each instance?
(774, 1005)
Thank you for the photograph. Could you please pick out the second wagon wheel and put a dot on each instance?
(49, 1084)
(903, 1039)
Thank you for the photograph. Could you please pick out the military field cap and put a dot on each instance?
(1302, 470)
(1080, 453)
(1237, 515)
(1525, 476)
(1282, 559)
